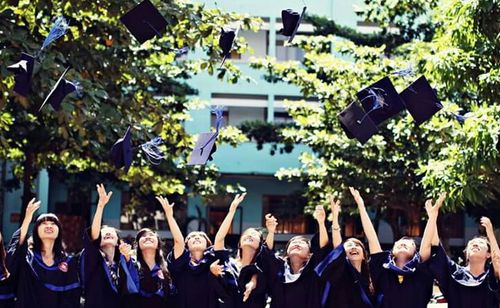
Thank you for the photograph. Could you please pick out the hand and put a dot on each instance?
(216, 269)
(125, 250)
(335, 207)
(271, 223)
(168, 208)
(236, 201)
(357, 197)
(486, 223)
(319, 214)
(441, 199)
(249, 287)
(103, 196)
(31, 208)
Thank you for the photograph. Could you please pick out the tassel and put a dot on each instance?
(152, 150)
(59, 28)
(78, 88)
(404, 72)
(378, 101)
(219, 111)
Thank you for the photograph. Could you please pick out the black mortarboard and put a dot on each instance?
(381, 100)
(226, 40)
(357, 122)
(121, 152)
(144, 21)
(421, 100)
(23, 71)
(291, 22)
(204, 149)
(59, 91)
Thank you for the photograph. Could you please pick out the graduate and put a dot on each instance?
(398, 274)
(8, 281)
(292, 280)
(348, 280)
(189, 264)
(48, 277)
(150, 271)
(477, 283)
(104, 271)
(239, 282)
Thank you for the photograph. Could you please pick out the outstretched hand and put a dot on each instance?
(216, 269)
(334, 207)
(236, 201)
(319, 214)
(271, 223)
(103, 196)
(433, 209)
(32, 207)
(168, 208)
(357, 197)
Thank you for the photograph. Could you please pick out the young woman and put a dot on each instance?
(189, 264)
(292, 280)
(8, 273)
(104, 271)
(398, 274)
(150, 272)
(346, 272)
(239, 282)
(477, 283)
(47, 276)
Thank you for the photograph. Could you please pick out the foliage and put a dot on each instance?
(404, 164)
(124, 84)
(266, 132)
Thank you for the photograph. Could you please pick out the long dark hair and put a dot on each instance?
(257, 251)
(159, 258)
(58, 248)
(3, 255)
(365, 269)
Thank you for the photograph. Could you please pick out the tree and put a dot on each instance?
(403, 165)
(124, 84)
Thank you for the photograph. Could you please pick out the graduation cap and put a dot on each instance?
(23, 71)
(421, 100)
(144, 21)
(381, 100)
(121, 152)
(226, 40)
(291, 22)
(205, 145)
(357, 123)
(62, 88)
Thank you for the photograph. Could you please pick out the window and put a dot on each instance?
(282, 116)
(240, 107)
(289, 211)
(287, 53)
(257, 41)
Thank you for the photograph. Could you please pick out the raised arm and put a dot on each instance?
(226, 223)
(168, 208)
(31, 208)
(97, 221)
(320, 216)
(430, 233)
(370, 233)
(271, 224)
(495, 251)
(336, 236)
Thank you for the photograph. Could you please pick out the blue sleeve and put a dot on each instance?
(439, 266)
(129, 268)
(332, 266)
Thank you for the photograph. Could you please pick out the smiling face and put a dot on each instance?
(354, 250)
(48, 230)
(250, 238)
(477, 249)
(299, 247)
(404, 249)
(148, 240)
(196, 241)
(109, 237)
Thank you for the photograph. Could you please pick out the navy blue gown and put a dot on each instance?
(44, 286)
(459, 287)
(345, 287)
(409, 287)
(192, 280)
(104, 285)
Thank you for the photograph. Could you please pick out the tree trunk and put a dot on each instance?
(28, 173)
(3, 175)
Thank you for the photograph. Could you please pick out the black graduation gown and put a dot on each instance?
(306, 291)
(230, 288)
(43, 286)
(154, 289)
(96, 276)
(484, 295)
(8, 285)
(7, 292)
(414, 291)
(192, 281)
(345, 286)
